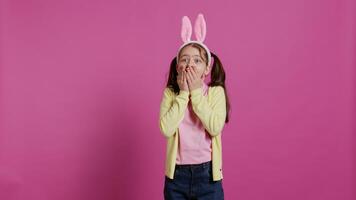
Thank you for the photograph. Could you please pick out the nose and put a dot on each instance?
(191, 62)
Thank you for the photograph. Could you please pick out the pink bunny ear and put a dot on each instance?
(186, 32)
(200, 28)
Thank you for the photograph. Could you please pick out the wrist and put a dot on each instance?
(196, 91)
(184, 92)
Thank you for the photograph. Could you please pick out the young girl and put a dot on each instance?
(192, 116)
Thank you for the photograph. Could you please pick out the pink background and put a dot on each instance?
(81, 84)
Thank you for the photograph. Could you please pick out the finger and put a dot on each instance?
(189, 75)
(180, 72)
(181, 75)
(188, 78)
(194, 73)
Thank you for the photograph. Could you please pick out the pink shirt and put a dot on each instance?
(194, 142)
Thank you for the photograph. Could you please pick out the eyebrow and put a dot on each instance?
(188, 55)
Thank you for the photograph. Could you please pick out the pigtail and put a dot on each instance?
(172, 77)
(217, 73)
(217, 76)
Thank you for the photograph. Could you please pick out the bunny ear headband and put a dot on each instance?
(200, 33)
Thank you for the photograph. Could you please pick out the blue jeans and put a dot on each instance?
(193, 182)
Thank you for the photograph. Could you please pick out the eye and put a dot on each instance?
(183, 60)
(197, 60)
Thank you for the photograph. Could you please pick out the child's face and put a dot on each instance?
(190, 57)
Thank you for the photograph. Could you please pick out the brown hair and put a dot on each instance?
(217, 74)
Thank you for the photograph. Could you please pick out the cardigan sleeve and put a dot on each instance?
(210, 109)
(172, 111)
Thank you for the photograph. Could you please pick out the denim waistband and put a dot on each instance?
(188, 166)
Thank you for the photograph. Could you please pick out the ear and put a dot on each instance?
(186, 31)
(200, 28)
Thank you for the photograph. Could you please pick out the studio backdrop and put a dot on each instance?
(81, 84)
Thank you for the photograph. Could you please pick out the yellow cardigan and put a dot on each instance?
(210, 109)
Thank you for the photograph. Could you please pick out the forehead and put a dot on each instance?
(190, 51)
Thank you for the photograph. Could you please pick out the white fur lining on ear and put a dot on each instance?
(200, 28)
(186, 31)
